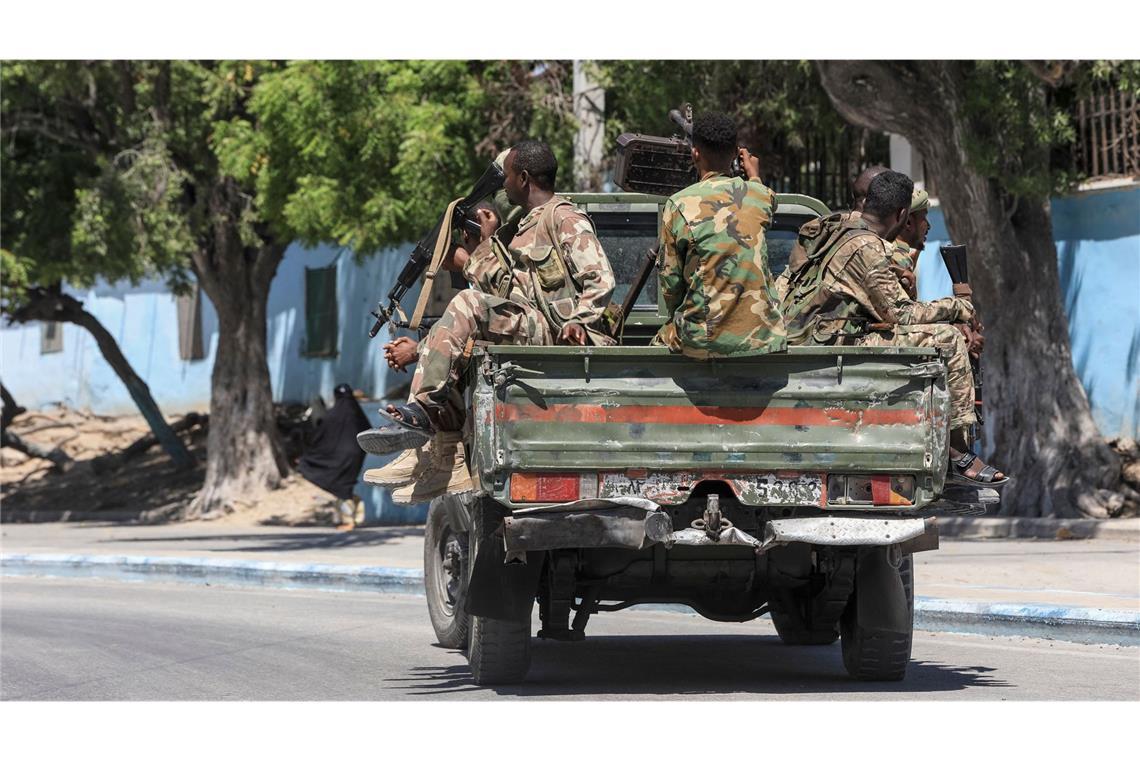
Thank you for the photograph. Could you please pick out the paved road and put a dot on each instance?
(69, 639)
(1092, 573)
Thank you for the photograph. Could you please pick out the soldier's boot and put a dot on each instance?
(402, 470)
(446, 472)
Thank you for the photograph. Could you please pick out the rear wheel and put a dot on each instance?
(499, 652)
(805, 618)
(445, 576)
(787, 616)
(870, 652)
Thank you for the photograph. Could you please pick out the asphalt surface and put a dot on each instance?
(1099, 572)
(65, 639)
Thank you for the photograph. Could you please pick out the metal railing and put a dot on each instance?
(1108, 135)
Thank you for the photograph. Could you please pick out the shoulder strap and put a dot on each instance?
(441, 244)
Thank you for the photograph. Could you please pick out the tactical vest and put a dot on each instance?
(810, 316)
(549, 271)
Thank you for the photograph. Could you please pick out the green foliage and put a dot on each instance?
(1013, 126)
(366, 154)
(1020, 118)
(109, 166)
(768, 99)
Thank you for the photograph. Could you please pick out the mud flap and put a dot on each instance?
(495, 588)
(879, 593)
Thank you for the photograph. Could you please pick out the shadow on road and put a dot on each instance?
(294, 540)
(693, 665)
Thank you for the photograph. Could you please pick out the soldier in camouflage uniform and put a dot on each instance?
(859, 187)
(845, 293)
(551, 284)
(713, 256)
(903, 251)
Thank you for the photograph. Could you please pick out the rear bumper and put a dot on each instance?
(635, 523)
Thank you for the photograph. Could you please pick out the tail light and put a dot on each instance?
(553, 487)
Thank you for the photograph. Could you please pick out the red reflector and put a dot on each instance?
(557, 487)
(881, 489)
(536, 487)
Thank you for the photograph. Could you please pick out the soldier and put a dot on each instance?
(862, 184)
(713, 256)
(440, 466)
(812, 229)
(845, 293)
(553, 283)
(909, 242)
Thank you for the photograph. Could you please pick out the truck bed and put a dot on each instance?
(774, 427)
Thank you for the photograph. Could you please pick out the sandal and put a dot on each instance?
(408, 428)
(984, 477)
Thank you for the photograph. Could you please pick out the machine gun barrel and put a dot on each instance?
(420, 258)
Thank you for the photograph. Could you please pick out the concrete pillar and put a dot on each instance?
(590, 113)
(905, 159)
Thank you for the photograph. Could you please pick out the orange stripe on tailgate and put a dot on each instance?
(703, 415)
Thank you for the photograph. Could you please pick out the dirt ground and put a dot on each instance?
(146, 489)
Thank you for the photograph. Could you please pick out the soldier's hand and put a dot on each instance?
(907, 280)
(750, 163)
(457, 257)
(488, 222)
(401, 352)
(975, 341)
(573, 333)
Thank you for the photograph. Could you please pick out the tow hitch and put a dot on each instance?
(712, 522)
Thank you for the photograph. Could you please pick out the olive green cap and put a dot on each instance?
(920, 201)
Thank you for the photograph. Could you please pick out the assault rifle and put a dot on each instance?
(954, 257)
(462, 218)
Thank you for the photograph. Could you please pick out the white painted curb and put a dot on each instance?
(1080, 624)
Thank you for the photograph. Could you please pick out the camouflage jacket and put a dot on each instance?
(555, 263)
(713, 269)
(846, 288)
(901, 255)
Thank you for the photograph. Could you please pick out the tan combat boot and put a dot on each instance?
(446, 473)
(402, 470)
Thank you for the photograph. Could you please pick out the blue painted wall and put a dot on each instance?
(1098, 242)
(144, 320)
(1098, 251)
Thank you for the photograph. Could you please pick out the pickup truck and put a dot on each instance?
(796, 484)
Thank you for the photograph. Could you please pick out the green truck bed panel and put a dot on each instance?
(809, 410)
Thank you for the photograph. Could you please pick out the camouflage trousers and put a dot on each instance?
(959, 377)
(471, 315)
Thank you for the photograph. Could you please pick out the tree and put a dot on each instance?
(987, 132)
(50, 171)
(782, 113)
(214, 168)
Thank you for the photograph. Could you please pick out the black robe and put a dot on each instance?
(334, 459)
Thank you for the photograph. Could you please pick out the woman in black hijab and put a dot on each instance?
(333, 459)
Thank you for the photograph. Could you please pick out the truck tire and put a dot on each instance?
(445, 576)
(803, 619)
(874, 654)
(791, 629)
(499, 652)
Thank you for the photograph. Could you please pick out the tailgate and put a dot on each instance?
(641, 412)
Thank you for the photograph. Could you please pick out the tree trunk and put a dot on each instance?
(10, 411)
(50, 305)
(245, 456)
(1039, 428)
